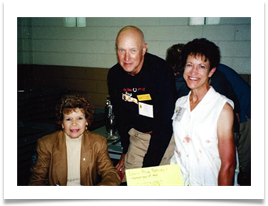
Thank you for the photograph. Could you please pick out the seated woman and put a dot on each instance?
(73, 156)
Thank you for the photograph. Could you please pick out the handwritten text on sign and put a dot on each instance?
(165, 175)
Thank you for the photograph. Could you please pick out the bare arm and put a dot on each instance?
(226, 146)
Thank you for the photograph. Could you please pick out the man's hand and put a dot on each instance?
(120, 166)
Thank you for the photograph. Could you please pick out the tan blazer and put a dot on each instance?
(51, 165)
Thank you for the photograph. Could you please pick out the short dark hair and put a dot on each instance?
(174, 57)
(204, 48)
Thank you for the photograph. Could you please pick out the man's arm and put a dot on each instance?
(164, 104)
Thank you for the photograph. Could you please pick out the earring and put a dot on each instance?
(209, 80)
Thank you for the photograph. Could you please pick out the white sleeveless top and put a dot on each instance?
(196, 139)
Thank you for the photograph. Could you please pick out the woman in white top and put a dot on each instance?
(203, 122)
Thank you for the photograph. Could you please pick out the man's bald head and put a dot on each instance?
(131, 30)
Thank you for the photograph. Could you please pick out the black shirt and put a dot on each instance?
(156, 81)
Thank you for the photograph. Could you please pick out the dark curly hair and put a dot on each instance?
(174, 57)
(70, 103)
(204, 48)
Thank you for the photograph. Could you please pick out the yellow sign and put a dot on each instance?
(164, 175)
(144, 97)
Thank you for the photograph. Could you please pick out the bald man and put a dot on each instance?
(142, 91)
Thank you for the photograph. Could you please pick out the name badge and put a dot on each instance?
(144, 97)
(178, 114)
(146, 110)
